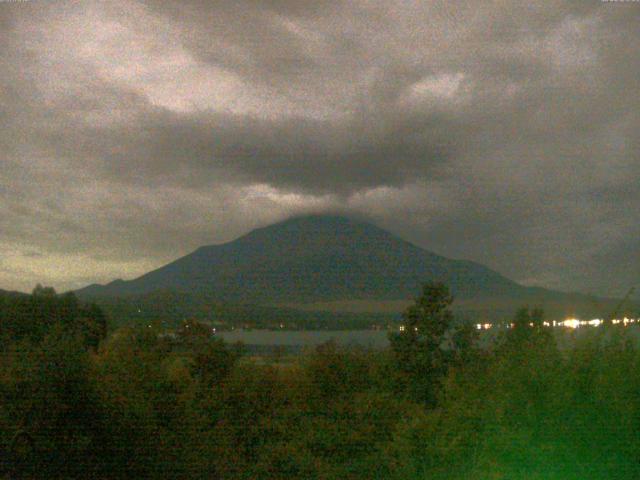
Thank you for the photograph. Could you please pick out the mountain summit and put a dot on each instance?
(310, 259)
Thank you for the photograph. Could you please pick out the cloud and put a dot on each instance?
(133, 132)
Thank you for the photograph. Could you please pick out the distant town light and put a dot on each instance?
(571, 323)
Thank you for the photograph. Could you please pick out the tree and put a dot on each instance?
(33, 316)
(43, 292)
(212, 359)
(48, 391)
(527, 327)
(92, 325)
(419, 347)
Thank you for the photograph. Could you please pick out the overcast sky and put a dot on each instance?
(502, 132)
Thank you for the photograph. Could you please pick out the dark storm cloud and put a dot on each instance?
(133, 132)
(297, 154)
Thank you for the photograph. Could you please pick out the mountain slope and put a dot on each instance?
(314, 258)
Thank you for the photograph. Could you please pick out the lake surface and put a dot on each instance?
(309, 338)
(269, 340)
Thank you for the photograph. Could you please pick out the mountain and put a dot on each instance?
(313, 258)
(326, 262)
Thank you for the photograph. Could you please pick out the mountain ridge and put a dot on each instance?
(316, 257)
(328, 261)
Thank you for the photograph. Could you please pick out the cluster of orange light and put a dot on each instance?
(569, 323)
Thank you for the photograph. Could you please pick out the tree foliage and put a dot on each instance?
(141, 406)
(32, 317)
(427, 342)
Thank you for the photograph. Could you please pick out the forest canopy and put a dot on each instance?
(77, 403)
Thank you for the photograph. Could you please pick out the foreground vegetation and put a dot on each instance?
(78, 404)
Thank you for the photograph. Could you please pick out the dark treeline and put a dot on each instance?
(32, 317)
(136, 404)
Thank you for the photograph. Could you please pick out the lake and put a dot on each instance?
(306, 338)
(266, 341)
